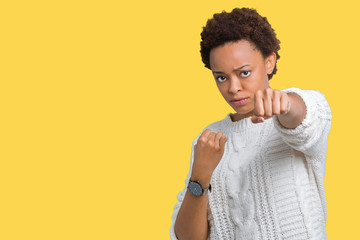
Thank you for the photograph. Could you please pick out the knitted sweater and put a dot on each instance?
(269, 183)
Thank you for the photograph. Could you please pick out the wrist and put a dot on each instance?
(197, 189)
(203, 180)
(296, 112)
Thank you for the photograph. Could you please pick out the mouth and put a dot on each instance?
(239, 101)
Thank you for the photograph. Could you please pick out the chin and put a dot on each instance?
(244, 113)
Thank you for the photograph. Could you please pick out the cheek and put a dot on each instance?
(264, 73)
(260, 80)
(222, 89)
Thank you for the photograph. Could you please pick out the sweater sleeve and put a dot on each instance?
(311, 136)
(181, 195)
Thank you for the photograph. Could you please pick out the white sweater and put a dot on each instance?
(269, 183)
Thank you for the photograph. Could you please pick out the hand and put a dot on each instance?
(270, 102)
(208, 152)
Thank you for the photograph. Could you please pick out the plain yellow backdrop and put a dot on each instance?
(101, 100)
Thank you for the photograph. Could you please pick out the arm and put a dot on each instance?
(288, 107)
(302, 117)
(296, 113)
(191, 222)
(191, 219)
(311, 136)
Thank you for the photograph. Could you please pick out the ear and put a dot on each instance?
(270, 63)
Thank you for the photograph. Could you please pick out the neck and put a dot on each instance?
(237, 117)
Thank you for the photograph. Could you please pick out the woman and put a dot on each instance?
(258, 173)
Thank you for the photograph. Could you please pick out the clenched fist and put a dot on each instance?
(208, 152)
(270, 102)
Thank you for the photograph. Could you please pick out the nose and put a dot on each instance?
(235, 85)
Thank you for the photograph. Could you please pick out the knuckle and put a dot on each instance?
(276, 93)
(258, 93)
(284, 109)
(284, 95)
(201, 141)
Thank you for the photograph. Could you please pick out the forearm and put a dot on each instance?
(191, 221)
(297, 112)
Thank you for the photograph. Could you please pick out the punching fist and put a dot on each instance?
(208, 152)
(269, 102)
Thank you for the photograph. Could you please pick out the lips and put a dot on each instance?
(239, 101)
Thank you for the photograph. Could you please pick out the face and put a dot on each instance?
(240, 70)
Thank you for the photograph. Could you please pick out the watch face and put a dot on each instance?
(195, 188)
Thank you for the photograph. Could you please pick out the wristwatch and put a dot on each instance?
(196, 189)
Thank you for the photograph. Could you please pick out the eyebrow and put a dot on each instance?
(235, 69)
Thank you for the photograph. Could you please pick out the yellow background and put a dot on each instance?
(101, 100)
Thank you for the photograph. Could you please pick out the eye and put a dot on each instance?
(221, 78)
(245, 73)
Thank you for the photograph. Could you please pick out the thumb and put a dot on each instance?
(256, 119)
(223, 140)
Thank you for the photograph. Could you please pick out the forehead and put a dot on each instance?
(234, 54)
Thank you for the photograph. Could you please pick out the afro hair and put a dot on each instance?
(239, 24)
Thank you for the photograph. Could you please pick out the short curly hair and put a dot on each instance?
(239, 24)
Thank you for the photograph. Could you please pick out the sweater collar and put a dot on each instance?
(242, 124)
